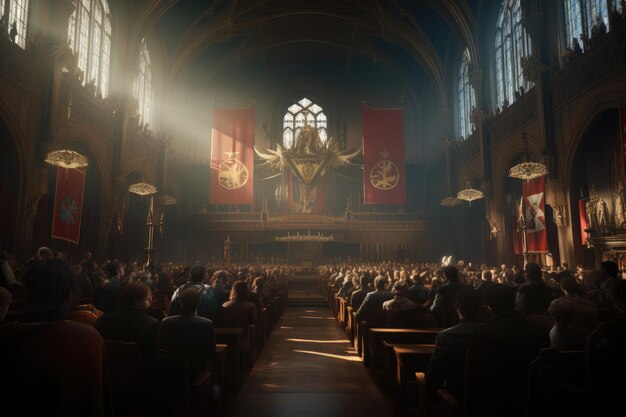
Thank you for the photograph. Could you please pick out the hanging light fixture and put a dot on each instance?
(469, 194)
(527, 169)
(142, 188)
(67, 158)
(450, 202)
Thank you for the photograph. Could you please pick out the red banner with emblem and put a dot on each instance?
(232, 156)
(534, 213)
(68, 204)
(384, 169)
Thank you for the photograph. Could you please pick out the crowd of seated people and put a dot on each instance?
(491, 322)
(63, 326)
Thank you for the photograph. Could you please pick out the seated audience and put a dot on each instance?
(485, 281)
(53, 367)
(130, 322)
(206, 306)
(574, 317)
(418, 293)
(443, 304)
(375, 299)
(357, 297)
(238, 311)
(499, 357)
(533, 296)
(446, 367)
(399, 301)
(188, 337)
(107, 297)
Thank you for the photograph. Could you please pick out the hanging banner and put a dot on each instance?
(232, 156)
(534, 212)
(384, 170)
(68, 204)
(584, 221)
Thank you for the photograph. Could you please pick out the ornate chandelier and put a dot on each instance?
(527, 169)
(67, 158)
(469, 194)
(142, 188)
(450, 202)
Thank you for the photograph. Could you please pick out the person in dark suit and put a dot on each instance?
(533, 296)
(187, 337)
(375, 299)
(499, 356)
(443, 304)
(130, 322)
(485, 282)
(206, 307)
(359, 295)
(447, 363)
(417, 292)
(107, 297)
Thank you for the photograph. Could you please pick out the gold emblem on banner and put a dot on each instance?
(385, 174)
(232, 173)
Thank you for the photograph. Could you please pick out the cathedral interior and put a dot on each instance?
(249, 131)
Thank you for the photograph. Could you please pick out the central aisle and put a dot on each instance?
(309, 369)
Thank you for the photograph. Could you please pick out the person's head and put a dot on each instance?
(533, 272)
(197, 274)
(400, 289)
(239, 291)
(364, 281)
(610, 268)
(467, 303)
(486, 275)
(45, 253)
(380, 283)
(50, 290)
(137, 294)
(5, 301)
(569, 285)
(500, 298)
(451, 273)
(189, 299)
(87, 256)
(114, 269)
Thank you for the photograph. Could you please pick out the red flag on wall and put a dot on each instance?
(584, 222)
(232, 156)
(534, 212)
(384, 170)
(68, 204)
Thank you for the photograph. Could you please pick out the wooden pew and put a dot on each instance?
(409, 360)
(232, 338)
(376, 336)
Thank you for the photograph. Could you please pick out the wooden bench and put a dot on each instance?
(375, 337)
(409, 360)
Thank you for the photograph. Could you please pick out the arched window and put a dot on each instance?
(466, 97)
(89, 36)
(582, 15)
(294, 119)
(15, 11)
(143, 85)
(512, 44)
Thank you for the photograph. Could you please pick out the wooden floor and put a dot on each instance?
(309, 369)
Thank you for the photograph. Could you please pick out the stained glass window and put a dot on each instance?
(17, 12)
(301, 113)
(512, 44)
(89, 36)
(143, 85)
(581, 15)
(466, 99)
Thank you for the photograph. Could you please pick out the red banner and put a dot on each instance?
(232, 156)
(68, 204)
(584, 222)
(384, 170)
(534, 212)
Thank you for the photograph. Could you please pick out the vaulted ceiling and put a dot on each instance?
(409, 37)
